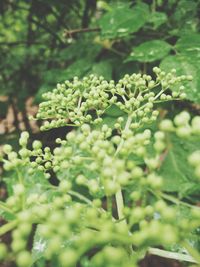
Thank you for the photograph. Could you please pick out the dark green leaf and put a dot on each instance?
(123, 20)
(114, 111)
(189, 45)
(157, 19)
(39, 245)
(184, 66)
(103, 68)
(175, 168)
(150, 51)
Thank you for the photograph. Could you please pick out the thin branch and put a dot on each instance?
(70, 33)
(171, 255)
(8, 227)
(19, 43)
(48, 30)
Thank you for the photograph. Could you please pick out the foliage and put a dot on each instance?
(33, 49)
(109, 208)
(129, 167)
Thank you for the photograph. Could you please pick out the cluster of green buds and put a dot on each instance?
(85, 101)
(185, 127)
(109, 200)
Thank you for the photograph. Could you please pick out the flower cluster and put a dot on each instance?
(109, 207)
(86, 100)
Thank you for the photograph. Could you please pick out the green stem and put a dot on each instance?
(19, 176)
(109, 204)
(81, 197)
(5, 208)
(192, 251)
(171, 255)
(118, 195)
(173, 199)
(128, 122)
(8, 227)
(120, 204)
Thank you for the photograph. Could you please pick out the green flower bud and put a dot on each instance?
(184, 131)
(3, 252)
(7, 149)
(68, 258)
(196, 125)
(65, 186)
(37, 145)
(24, 259)
(182, 118)
(194, 158)
(19, 189)
(166, 125)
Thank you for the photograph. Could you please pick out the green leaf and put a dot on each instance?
(123, 20)
(78, 68)
(39, 245)
(157, 19)
(189, 45)
(102, 68)
(184, 66)
(185, 17)
(190, 188)
(34, 183)
(175, 168)
(114, 111)
(150, 51)
(6, 215)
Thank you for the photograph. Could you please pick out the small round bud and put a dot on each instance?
(184, 131)
(183, 96)
(159, 135)
(166, 125)
(19, 189)
(196, 125)
(3, 251)
(37, 145)
(194, 158)
(182, 118)
(159, 146)
(68, 258)
(7, 149)
(24, 259)
(65, 186)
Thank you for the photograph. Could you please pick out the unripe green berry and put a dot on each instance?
(3, 251)
(196, 125)
(194, 158)
(135, 195)
(7, 149)
(37, 145)
(166, 125)
(24, 259)
(19, 189)
(184, 131)
(68, 258)
(182, 118)
(159, 135)
(65, 186)
(159, 146)
(18, 245)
